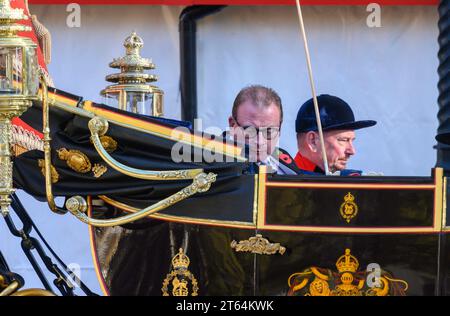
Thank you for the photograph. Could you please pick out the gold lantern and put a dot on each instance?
(132, 92)
(19, 86)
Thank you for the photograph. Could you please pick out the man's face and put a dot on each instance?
(339, 148)
(257, 126)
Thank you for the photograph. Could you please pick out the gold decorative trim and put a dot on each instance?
(258, 245)
(109, 143)
(99, 170)
(33, 292)
(18, 150)
(438, 199)
(47, 146)
(255, 199)
(444, 204)
(99, 126)
(53, 171)
(86, 109)
(261, 197)
(437, 187)
(180, 277)
(159, 130)
(77, 204)
(9, 17)
(3, 283)
(336, 229)
(75, 159)
(348, 209)
(200, 184)
(10, 289)
(61, 101)
(352, 186)
(179, 219)
(347, 282)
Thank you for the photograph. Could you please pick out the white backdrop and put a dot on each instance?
(388, 74)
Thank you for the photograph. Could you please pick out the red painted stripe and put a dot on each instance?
(238, 2)
(17, 121)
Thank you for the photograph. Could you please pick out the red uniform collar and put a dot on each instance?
(305, 164)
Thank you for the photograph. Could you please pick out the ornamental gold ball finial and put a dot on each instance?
(131, 90)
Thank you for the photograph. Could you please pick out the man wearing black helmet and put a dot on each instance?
(338, 125)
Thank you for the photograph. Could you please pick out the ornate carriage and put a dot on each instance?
(221, 226)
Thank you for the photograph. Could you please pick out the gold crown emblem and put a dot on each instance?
(180, 260)
(347, 262)
(349, 198)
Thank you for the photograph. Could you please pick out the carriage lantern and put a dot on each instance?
(19, 86)
(131, 91)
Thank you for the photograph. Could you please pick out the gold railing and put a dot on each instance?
(78, 206)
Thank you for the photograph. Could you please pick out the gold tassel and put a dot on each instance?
(44, 38)
(45, 43)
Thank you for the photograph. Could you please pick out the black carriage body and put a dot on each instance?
(397, 226)
(250, 234)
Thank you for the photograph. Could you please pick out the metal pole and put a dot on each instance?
(313, 88)
(443, 150)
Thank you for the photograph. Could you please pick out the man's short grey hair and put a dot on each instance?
(259, 96)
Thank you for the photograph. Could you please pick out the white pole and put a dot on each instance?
(313, 89)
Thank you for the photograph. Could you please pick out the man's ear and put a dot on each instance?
(312, 141)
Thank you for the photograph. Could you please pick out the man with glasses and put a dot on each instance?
(338, 125)
(256, 120)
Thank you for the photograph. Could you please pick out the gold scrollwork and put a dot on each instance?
(257, 245)
(201, 183)
(99, 126)
(75, 159)
(54, 173)
(349, 209)
(178, 279)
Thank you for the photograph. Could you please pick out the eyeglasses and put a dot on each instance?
(268, 133)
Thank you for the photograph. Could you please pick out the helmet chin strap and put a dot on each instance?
(313, 89)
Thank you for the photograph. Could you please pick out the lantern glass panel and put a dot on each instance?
(33, 72)
(139, 102)
(111, 99)
(11, 70)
